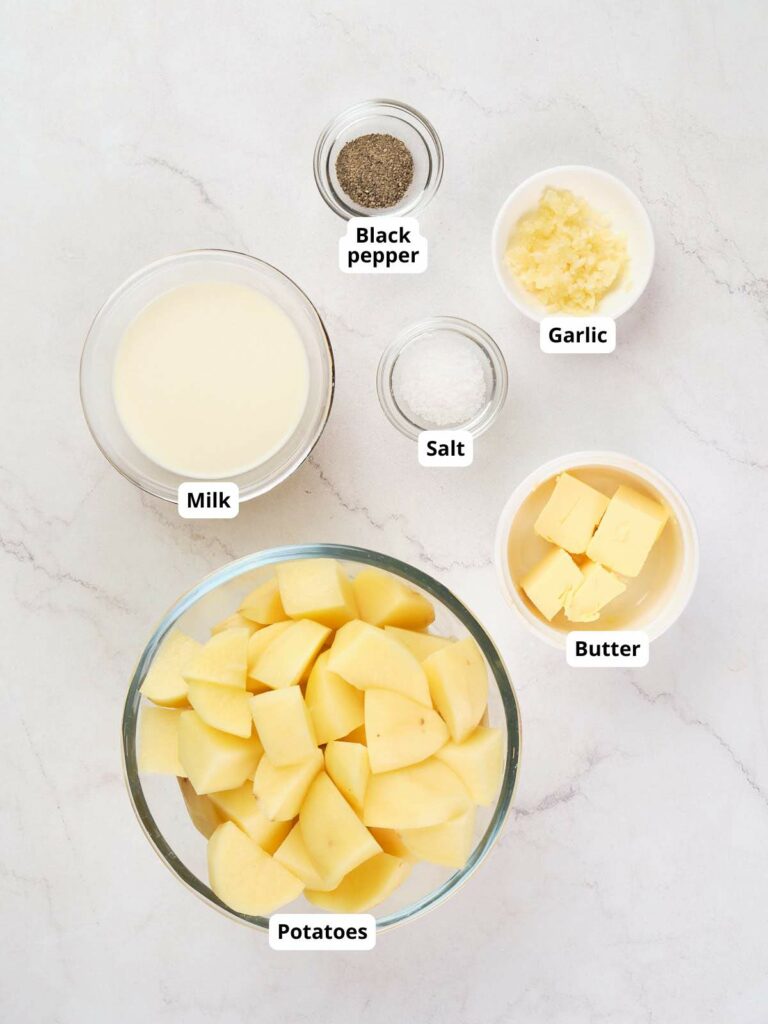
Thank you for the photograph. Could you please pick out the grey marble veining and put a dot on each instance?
(630, 883)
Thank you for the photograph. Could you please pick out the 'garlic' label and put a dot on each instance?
(322, 931)
(446, 448)
(208, 500)
(613, 648)
(577, 334)
(383, 245)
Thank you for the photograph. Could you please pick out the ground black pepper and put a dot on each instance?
(375, 170)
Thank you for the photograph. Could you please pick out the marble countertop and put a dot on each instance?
(630, 884)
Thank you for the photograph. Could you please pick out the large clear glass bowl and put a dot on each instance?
(121, 308)
(158, 802)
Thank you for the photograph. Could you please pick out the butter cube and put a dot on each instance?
(570, 516)
(598, 588)
(549, 584)
(627, 532)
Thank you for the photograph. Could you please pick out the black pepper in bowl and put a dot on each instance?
(375, 171)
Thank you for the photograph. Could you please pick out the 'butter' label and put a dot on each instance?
(614, 648)
(383, 245)
(322, 931)
(208, 500)
(577, 334)
(446, 448)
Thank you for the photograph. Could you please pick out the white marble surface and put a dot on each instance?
(631, 883)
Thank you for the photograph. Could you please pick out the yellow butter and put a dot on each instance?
(627, 532)
(570, 516)
(598, 588)
(549, 584)
(566, 254)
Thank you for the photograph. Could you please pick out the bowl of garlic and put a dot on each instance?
(573, 241)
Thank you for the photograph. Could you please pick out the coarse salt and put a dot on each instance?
(439, 380)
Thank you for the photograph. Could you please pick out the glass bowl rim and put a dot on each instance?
(424, 128)
(246, 493)
(484, 419)
(362, 556)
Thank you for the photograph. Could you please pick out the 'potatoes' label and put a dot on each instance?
(446, 448)
(577, 334)
(615, 648)
(383, 245)
(322, 931)
(208, 500)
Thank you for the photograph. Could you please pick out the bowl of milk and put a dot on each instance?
(207, 366)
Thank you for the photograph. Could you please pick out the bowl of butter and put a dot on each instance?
(573, 241)
(596, 541)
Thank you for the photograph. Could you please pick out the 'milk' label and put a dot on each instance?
(614, 648)
(322, 931)
(206, 499)
(577, 334)
(383, 245)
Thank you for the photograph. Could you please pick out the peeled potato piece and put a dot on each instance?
(292, 854)
(246, 878)
(335, 706)
(284, 726)
(164, 683)
(335, 838)
(357, 736)
(421, 645)
(159, 741)
(478, 761)
(263, 605)
(258, 643)
(348, 767)
(400, 731)
(317, 588)
(368, 658)
(364, 887)
(222, 707)
(288, 659)
(449, 843)
(223, 659)
(384, 600)
(240, 806)
(204, 815)
(215, 760)
(423, 794)
(458, 685)
(281, 791)
(390, 842)
(235, 621)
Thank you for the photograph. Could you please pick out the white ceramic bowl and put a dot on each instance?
(605, 194)
(652, 601)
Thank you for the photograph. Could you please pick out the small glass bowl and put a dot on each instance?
(159, 805)
(121, 308)
(385, 117)
(494, 368)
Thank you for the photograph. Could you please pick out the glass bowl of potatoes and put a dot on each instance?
(321, 728)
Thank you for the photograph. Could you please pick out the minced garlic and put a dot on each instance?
(566, 254)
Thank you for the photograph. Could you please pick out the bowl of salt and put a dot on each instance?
(442, 373)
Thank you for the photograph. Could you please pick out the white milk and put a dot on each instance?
(210, 380)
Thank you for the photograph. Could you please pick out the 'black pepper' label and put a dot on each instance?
(383, 245)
